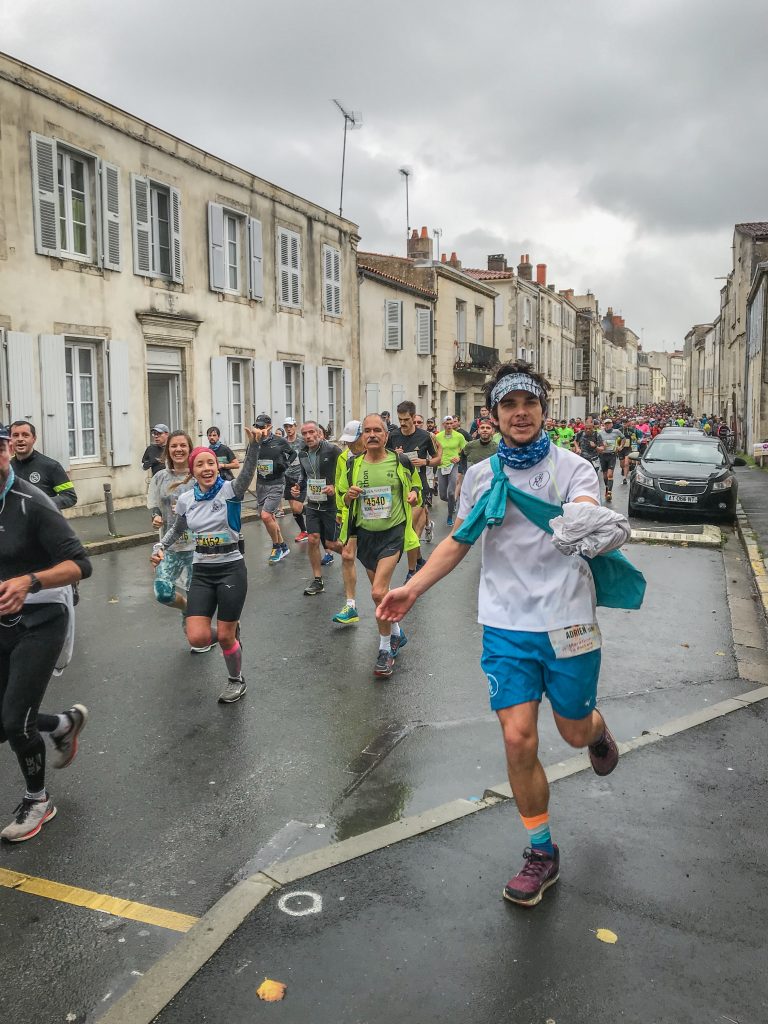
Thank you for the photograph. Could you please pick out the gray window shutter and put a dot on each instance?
(336, 282)
(498, 311)
(347, 395)
(111, 243)
(119, 372)
(53, 385)
(295, 269)
(423, 331)
(44, 195)
(277, 379)
(220, 397)
(310, 393)
(398, 396)
(260, 390)
(23, 388)
(393, 324)
(284, 263)
(255, 259)
(216, 268)
(142, 257)
(322, 394)
(328, 279)
(177, 264)
(371, 399)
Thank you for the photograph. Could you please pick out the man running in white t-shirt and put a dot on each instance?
(537, 609)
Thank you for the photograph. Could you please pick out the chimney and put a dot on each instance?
(420, 245)
(616, 321)
(497, 262)
(444, 257)
(568, 293)
(454, 261)
(524, 269)
(541, 274)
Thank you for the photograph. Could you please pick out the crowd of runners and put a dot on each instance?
(368, 498)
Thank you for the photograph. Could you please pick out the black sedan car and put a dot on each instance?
(691, 474)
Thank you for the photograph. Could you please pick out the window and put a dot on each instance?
(232, 230)
(236, 398)
(294, 405)
(527, 314)
(156, 229)
(393, 324)
(82, 408)
(289, 268)
(479, 325)
(74, 190)
(461, 321)
(234, 252)
(331, 281)
(76, 204)
(578, 364)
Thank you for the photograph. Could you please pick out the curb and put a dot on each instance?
(132, 540)
(757, 564)
(711, 537)
(152, 993)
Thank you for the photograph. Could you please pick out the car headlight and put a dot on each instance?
(643, 479)
(722, 485)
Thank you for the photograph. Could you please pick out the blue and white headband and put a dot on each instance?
(516, 382)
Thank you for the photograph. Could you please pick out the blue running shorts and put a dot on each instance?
(522, 667)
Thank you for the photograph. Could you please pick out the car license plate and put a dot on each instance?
(689, 499)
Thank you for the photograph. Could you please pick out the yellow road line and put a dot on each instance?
(97, 901)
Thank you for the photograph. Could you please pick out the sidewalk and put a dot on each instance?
(752, 524)
(665, 854)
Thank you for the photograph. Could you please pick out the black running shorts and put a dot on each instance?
(323, 521)
(607, 461)
(372, 545)
(218, 589)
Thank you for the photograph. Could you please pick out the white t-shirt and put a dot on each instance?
(209, 522)
(525, 582)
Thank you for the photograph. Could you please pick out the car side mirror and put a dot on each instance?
(634, 456)
(738, 461)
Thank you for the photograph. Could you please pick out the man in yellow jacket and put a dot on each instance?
(383, 487)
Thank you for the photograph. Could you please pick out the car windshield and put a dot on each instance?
(704, 452)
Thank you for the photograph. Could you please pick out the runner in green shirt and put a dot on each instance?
(453, 444)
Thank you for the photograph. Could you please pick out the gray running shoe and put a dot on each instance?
(201, 650)
(385, 663)
(65, 747)
(29, 818)
(233, 691)
(315, 587)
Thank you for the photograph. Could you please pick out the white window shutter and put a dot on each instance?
(284, 265)
(177, 262)
(142, 258)
(393, 324)
(398, 396)
(23, 387)
(119, 401)
(423, 331)
(255, 259)
(310, 393)
(347, 395)
(498, 311)
(277, 381)
(336, 282)
(44, 195)
(220, 396)
(111, 242)
(216, 268)
(295, 269)
(53, 385)
(322, 394)
(328, 279)
(371, 399)
(260, 389)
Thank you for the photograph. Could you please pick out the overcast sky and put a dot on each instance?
(617, 142)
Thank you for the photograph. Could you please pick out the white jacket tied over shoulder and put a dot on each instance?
(589, 530)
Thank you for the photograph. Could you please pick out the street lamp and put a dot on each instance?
(406, 173)
(352, 119)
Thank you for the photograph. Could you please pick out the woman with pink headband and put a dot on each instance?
(211, 513)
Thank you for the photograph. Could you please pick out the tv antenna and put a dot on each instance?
(352, 119)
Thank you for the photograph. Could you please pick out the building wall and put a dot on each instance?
(133, 322)
(389, 376)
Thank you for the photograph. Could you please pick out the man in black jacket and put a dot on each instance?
(40, 558)
(318, 481)
(154, 454)
(38, 469)
(275, 455)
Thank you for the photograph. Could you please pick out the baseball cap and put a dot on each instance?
(448, 419)
(161, 428)
(289, 421)
(262, 420)
(351, 431)
(5, 433)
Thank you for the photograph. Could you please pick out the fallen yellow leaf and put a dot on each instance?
(606, 935)
(271, 991)
(720, 654)
(685, 645)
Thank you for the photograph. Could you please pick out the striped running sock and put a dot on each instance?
(538, 833)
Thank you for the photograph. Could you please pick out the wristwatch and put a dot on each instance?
(35, 585)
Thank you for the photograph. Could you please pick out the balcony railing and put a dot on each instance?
(474, 357)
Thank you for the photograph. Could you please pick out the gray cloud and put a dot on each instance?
(618, 143)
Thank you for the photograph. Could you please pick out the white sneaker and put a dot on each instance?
(30, 816)
(201, 650)
(65, 747)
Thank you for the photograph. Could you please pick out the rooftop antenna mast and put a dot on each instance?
(352, 119)
(406, 172)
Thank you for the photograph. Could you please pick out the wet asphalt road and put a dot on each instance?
(173, 795)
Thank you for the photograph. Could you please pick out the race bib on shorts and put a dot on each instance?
(264, 467)
(315, 487)
(445, 470)
(376, 502)
(575, 640)
(212, 541)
